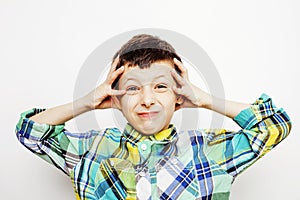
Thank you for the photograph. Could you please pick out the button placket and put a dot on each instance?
(142, 174)
(145, 147)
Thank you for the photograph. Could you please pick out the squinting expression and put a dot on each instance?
(149, 102)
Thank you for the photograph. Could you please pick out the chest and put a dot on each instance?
(189, 174)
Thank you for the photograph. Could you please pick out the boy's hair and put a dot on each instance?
(143, 50)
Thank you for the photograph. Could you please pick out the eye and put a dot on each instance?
(132, 89)
(161, 87)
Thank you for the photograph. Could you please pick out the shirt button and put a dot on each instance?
(143, 147)
(112, 163)
(142, 174)
(174, 161)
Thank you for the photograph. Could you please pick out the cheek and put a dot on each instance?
(128, 102)
(168, 100)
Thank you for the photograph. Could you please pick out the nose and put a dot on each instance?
(148, 96)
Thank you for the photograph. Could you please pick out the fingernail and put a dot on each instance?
(121, 68)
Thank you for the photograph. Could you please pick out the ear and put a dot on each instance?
(179, 102)
(116, 102)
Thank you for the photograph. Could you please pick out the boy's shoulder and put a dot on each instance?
(192, 133)
(112, 133)
(205, 136)
(192, 136)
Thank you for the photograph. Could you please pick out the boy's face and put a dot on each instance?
(149, 102)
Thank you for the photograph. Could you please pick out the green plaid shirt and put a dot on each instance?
(194, 164)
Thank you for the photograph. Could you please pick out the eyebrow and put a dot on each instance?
(161, 76)
(131, 79)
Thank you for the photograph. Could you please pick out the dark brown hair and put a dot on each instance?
(143, 50)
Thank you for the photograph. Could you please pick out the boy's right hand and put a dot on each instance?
(102, 96)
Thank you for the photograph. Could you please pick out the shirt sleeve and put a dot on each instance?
(53, 143)
(263, 127)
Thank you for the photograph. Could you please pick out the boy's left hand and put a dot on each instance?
(193, 97)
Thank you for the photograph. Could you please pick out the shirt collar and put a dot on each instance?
(164, 136)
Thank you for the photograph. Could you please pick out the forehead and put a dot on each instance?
(159, 69)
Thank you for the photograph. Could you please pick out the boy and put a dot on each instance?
(150, 159)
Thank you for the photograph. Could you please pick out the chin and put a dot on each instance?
(150, 130)
(147, 134)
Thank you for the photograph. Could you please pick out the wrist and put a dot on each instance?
(205, 101)
(82, 105)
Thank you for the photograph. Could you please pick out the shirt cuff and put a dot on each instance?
(262, 108)
(36, 131)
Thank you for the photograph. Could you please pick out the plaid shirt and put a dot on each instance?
(195, 164)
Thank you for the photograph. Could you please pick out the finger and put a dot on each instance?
(117, 92)
(182, 69)
(177, 77)
(114, 75)
(114, 65)
(177, 90)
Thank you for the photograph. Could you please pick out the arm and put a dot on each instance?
(63, 113)
(42, 131)
(223, 106)
(263, 126)
(52, 142)
(100, 98)
(194, 97)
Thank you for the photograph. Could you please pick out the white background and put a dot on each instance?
(255, 46)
